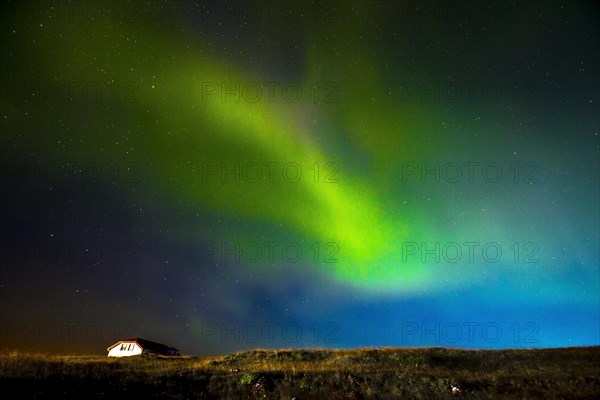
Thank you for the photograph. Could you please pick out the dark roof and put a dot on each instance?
(148, 345)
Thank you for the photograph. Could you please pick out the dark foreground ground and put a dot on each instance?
(388, 373)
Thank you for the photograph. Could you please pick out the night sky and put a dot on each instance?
(225, 176)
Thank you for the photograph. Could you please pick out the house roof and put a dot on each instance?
(146, 345)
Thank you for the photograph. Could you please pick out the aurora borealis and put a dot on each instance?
(220, 176)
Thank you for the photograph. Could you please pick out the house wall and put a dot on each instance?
(125, 350)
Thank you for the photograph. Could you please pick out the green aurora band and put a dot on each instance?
(173, 127)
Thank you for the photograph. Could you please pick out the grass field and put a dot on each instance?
(382, 373)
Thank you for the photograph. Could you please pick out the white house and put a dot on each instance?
(137, 346)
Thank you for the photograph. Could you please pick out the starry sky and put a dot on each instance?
(220, 176)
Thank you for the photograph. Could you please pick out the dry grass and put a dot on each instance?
(385, 373)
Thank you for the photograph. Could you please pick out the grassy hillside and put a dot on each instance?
(387, 373)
